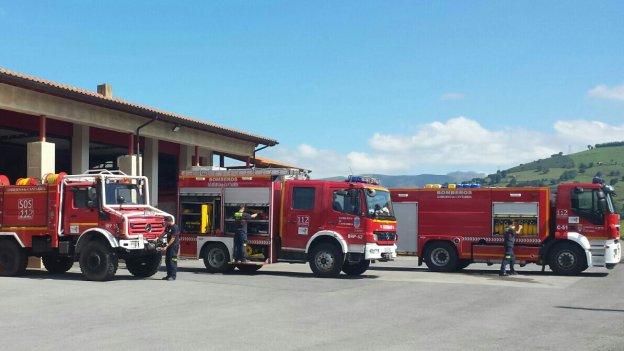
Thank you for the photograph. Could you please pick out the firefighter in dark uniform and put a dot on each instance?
(240, 236)
(173, 246)
(509, 239)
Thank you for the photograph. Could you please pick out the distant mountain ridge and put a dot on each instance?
(414, 181)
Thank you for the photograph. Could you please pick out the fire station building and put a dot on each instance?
(48, 127)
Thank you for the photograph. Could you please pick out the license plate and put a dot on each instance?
(134, 244)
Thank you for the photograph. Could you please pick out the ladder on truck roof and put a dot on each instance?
(198, 171)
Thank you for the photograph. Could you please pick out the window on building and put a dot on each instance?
(303, 198)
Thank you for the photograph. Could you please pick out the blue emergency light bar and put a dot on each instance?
(362, 179)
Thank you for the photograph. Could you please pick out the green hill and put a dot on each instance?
(606, 159)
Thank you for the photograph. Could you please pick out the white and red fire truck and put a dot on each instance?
(570, 229)
(335, 226)
(96, 218)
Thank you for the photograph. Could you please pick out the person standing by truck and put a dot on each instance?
(173, 246)
(240, 236)
(509, 238)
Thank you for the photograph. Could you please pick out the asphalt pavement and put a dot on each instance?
(393, 306)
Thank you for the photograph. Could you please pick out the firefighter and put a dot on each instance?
(240, 236)
(509, 238)
(172, 247)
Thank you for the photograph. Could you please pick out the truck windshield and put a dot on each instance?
(124, 194)
(379, 204)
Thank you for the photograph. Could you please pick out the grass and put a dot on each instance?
(604, 160)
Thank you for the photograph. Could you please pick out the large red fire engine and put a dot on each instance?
(96, 218)
(330, 224)
(571, 229)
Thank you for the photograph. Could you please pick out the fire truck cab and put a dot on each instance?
(95, 218)
(334, 226)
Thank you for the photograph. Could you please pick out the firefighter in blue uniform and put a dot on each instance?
(509, 239)
(240, 236)
(173, 246)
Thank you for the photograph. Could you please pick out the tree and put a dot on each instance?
(568, 175)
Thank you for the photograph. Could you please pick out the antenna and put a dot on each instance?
(350, 170)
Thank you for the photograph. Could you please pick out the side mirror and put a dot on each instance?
(371, 192)
(91, 204)
(121, 200)
(578, 190)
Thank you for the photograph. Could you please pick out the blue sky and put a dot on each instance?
(376, 86)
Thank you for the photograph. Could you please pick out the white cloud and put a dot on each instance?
(604, 92)
(458, 143)
(452, 96)
(589, 132)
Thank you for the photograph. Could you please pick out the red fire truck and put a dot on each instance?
(96, 218)
(570, 229)
(335, 226)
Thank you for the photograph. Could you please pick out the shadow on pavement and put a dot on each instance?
(274, 273)
(590, 309)
(42, 274)
(487, 271)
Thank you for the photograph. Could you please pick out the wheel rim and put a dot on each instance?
(94, 261)
(566, 259)
(440, 257)
(324, 261)
(216, 257)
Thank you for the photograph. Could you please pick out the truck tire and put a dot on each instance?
(326, 260)
(56, 264)
(13, 259)
(463, 264)
(217, 259)
(567, 259)
(249, 269)
(441, 257)
(145, 265)
(355, 268)
(98, 261)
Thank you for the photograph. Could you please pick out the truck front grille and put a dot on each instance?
(149, 230)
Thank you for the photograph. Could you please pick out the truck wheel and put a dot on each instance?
(98, 261)
(217, 259)
(144, 266)
(355, 268)
(441, 257)
(249, 269)
(326, 260)
(56, 264)
(13, 260)
(567, 259)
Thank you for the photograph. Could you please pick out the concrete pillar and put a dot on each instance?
(151, 168)
(207, 156)
(128, 164)
(40, 159)
(80, 149)
(186, 157)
